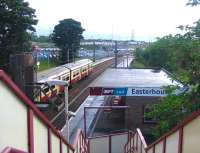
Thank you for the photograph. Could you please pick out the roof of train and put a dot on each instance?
(77, 64)
(51, 73)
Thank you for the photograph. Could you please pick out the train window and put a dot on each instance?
(84, 69)
(75, 73)
(46, 89)
(53, 86)
(65, 78)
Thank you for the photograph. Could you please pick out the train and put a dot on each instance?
(71, 73)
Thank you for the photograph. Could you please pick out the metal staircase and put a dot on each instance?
(24, 129)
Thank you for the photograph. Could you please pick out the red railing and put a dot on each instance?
(184, 138)
(112, 143)
(81, 144)
(136, 143)
(35, 119)
(12, 150)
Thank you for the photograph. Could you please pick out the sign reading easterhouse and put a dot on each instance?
(131, 91)
(159, 92)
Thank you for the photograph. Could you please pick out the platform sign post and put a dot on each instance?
(94, 50)
(66, 109)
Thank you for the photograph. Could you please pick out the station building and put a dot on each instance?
(140, 89)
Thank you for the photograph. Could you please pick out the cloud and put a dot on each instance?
(153, 18)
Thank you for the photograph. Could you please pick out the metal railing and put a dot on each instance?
(112, 143)
(35, 132)
(136, 143)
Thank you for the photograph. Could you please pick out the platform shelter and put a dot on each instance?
(140, 89)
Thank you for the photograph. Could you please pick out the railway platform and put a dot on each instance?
(77, 122)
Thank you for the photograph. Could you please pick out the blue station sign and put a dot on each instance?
(134, 91)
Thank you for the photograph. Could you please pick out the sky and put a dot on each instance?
(117, 19)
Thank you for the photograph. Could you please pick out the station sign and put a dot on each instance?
(157, 92)
(131, 91)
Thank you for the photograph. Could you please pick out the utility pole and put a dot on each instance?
(94, 50)
(68, 55)
(116, 51)
(127, 60)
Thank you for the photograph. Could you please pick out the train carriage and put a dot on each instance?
(71, 72)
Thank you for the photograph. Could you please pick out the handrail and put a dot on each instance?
(131, 146)
(142, 138)
(75, 142)
(177, 128)
(12, 150)
(84, 143)
(112, 143)
(30, 105)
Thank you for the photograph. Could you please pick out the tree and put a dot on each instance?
(67, 36)
(16, 19)
(180, 54)
(193, 2)
(41, 38)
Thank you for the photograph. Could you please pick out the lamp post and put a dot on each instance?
(65, 84)
(115, 51)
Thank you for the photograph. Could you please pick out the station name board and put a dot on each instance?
(160, 92)
(132, 91)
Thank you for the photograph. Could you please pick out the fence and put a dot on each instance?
(136, 143)
(185, 138)
(26, 128)
(113, 143)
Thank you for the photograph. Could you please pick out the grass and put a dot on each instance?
(44, 64)
(137, 65)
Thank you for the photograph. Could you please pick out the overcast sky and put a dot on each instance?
(117, 19)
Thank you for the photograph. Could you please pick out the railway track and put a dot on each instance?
(77, 94)
(80, 91)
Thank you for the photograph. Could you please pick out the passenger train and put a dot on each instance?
(71, 72)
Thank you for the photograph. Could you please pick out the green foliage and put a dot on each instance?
(47, 64)
(16, 18)
(172, 110)
(193, 2)
(137, 65)
(180, 54)
(67, 35)
(41, 39)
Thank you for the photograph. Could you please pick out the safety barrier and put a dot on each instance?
(12, 150)
(185, 138)
(26, 128)
(113, 143)
(136, 143)
(80, 143)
